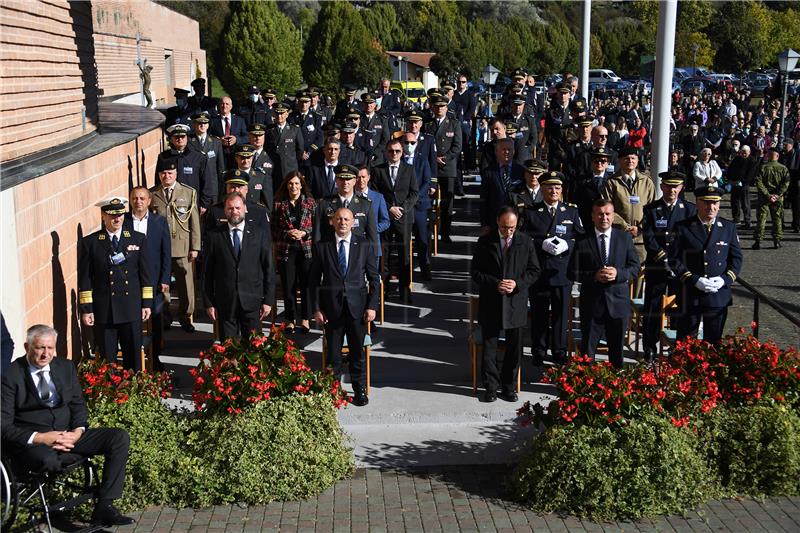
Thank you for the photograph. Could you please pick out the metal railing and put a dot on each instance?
(758, 297)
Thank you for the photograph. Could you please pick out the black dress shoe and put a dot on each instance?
(110, 516)
(777, 244)
(488, 396)
(756, 246)
(187, 326)
(509, 396)
(360, 398)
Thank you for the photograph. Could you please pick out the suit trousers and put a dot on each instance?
(549, 319)
(355, 329)
(740, 202)
(713, 323)
(491, 376)
(398, 239)
(240, 322)
(294, 278)
(111, 442)
(592, 329)
(446, 205)
(127, 336)
(184, 284)
(422, 235)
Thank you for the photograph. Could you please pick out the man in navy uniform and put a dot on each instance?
(707, 259)
(375, 126)
(446, 131)
(604, 261)
(528, 194)
(208, 145)
(115, 288)
(310, 125)
(364, 217)
(658, 227)
(553, 225)
(284, 143)
(344, 286)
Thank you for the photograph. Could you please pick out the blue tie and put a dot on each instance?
(237, 243)
(342, 258)
(115, 243)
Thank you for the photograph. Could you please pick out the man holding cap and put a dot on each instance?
(178, 204)
(658, 229)
(114, 284)
(706, 260)
(772, 182)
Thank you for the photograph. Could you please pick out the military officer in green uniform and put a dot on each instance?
(772, 182)
(115, 289)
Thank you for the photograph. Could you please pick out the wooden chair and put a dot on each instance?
(435, 220)
(346, 351)
(475, 344)
(636, 321)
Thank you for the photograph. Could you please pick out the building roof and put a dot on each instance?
(422, 59)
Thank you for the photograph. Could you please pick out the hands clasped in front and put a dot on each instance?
(710, 285)
(506, 286)
(607, 274)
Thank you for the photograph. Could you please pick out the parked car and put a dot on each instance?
(693, 86)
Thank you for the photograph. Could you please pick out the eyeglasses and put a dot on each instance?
(601, 161)
(603, 136)
(462, 81)
(395, 151)
(409, 142)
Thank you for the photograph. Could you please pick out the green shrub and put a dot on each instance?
(754, 449)
(647, 467)
(284, 449)
(158, 467)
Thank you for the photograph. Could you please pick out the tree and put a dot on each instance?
(742, 37)
(262, 47)
(381, 22)
(694, 15)
(685, 43)
(339, 50)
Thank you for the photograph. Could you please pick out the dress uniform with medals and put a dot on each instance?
(365, 221)
(284, 144)
(707, 259)
(310, 126)
(376, 127)
(115, 289)
(553, 229)
(193, 169)
(658, 228)
(178, 204)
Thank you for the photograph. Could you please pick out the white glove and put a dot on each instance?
(549, 246)
(717, 282)
(561, 246)
(705, 285)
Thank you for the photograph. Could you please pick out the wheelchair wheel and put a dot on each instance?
(9, 497)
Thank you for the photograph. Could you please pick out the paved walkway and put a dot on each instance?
(448, 499)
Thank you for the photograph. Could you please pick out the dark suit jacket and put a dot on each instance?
(238, 128)
(212, 149)
(250, 280)
(423, 173)
(24, 412)
(405, 192)
(490, 265)
(321, 187)
(493, 193)
(615, 296)
(159, 252)
(332, 292)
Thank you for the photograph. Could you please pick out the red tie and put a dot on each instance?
(227, 126)
(507, 244)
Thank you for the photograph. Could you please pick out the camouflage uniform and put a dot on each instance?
(772, 178)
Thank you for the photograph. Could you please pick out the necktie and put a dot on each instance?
(227, 126)
(115, 242)
(346, 204)
(603, 250)
(393, 174)
(342, 257)
(331, 176)
(506, 179)
(552, 212)
(507, 244)
(598, 180)
(43, 387)
(168, 194)
(708, 227)
(237, 243)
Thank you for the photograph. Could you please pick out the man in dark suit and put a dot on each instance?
(658, 227)
(396, 181)
(343, 303)
(604, 262)
(446, 131)
(423, 173)
(497, 182)
(116, 292)
(284, 143)
(239, 275)
(587, 188)
(44, 416)
(553, 225)
(504, 266)
(323, 174)
(230, 128)
(707, 259)
(159, 256)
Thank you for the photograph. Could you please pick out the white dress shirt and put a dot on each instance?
(607, 233)
(240, 227)
(140, 224)
(346, 240)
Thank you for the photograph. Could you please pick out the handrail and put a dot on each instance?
(758, 297)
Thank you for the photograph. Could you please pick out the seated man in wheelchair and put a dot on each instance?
(44, 416)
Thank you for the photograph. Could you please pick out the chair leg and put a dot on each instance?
(45, 507)
(324, 350)
(381, 300)
(519, 378)
(473, 356)
(410, 264)
(366, 355)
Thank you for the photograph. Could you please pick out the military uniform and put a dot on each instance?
(183, 218)
(447, 135)
(310, 126)
(526, 139)
(703, 252)
(285, 147)
(658, 229)
(193, 171)
(629, 201)
(549, 296)
(557, 122)
(114, 284)
(365, 219)
(772, 178)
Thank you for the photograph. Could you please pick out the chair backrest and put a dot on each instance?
(668, 301)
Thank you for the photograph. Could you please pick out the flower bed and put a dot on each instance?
(264, 428)
(702, 390)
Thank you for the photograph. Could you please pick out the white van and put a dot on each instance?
(602, 75)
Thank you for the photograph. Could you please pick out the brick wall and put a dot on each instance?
(50, 212)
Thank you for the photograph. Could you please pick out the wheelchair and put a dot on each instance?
(24, 489)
